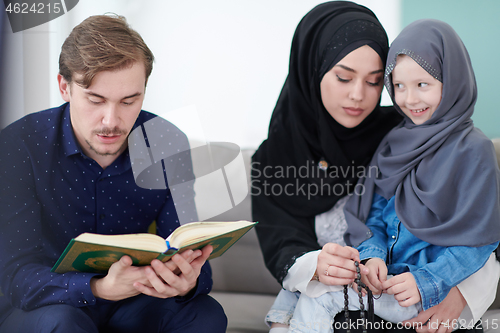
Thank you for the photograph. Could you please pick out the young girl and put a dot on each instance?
(431, 213)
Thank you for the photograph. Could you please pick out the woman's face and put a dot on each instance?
(351, 89)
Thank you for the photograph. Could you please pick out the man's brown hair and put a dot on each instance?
(102, 43)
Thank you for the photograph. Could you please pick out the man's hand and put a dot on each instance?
(440, 318)
(118, 283)
(377, 275)
(188, 255)
(163, 282)
(404, 288)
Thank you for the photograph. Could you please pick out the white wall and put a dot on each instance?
(24, 71)
(226, 58)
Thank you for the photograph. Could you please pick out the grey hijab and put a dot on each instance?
(443, 173)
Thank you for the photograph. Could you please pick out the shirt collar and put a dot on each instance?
(69, 143)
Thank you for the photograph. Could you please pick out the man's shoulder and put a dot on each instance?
(36, 122)
(145, 116)
(158, 125)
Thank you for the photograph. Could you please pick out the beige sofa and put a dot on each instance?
(244, 286)
(242, 283)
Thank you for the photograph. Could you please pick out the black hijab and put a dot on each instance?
(302, 133)
(443, 173)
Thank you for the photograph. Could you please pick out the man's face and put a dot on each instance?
(102, 115)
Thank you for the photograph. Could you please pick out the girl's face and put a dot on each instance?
(351, 89)
(416, 92)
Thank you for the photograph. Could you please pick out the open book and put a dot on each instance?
(95, 253)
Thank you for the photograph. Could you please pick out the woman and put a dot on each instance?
(324, 130)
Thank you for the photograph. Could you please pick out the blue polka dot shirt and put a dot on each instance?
(50, 192)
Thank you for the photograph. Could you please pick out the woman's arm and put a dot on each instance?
(435, 319)
(452, 266)
(465, 303)
(283, 238)
(473, 290)
(291, 249)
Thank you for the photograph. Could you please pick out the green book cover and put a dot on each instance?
(91, 257)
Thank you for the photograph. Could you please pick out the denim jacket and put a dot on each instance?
(436, 269)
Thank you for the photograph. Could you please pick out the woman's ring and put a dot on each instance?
(326, 271)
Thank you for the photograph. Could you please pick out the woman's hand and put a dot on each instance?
(336, 264)
(442, 317)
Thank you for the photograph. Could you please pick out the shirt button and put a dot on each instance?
(102, 216)
(393, 237)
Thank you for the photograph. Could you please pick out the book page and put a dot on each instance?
(145, 241)
(198, 231)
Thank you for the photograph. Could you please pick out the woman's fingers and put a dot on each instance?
(336, 264)
(345, 252)
(334, 281)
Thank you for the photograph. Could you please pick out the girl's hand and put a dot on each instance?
(404, 288)
(377, 274)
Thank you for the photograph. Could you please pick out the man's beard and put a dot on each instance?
(107, 153)
(107, 131)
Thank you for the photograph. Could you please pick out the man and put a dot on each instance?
(67, 170)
